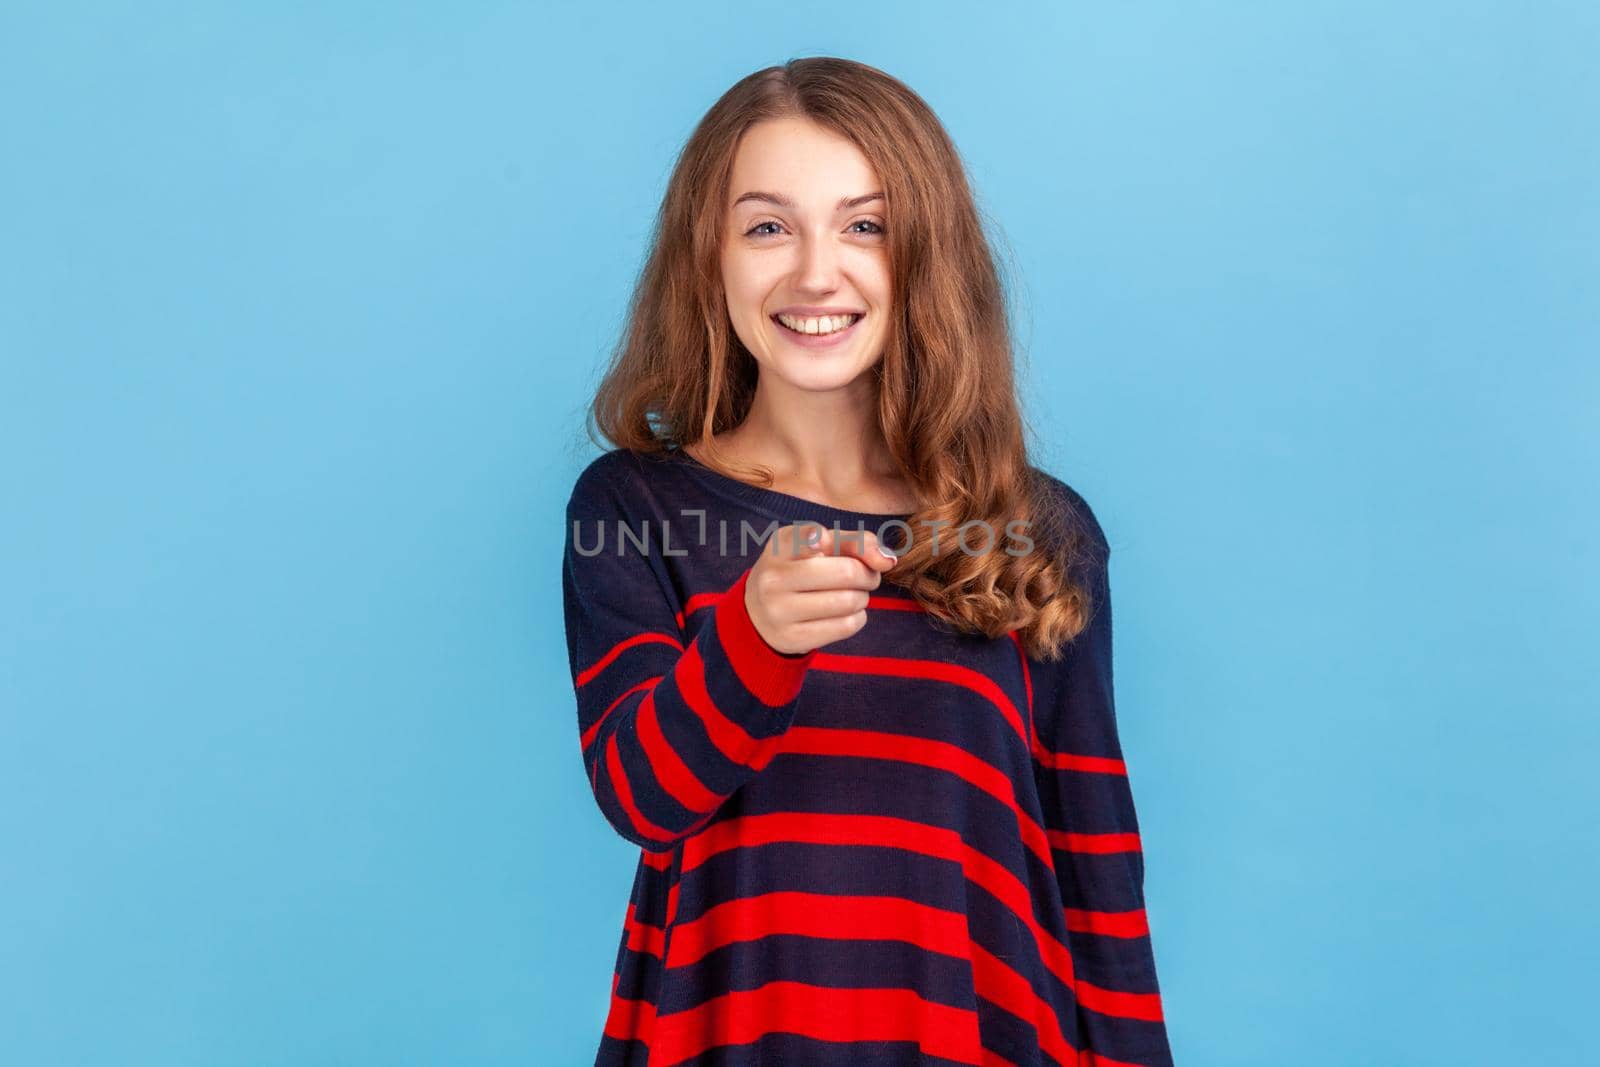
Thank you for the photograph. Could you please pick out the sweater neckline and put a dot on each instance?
(780, 505)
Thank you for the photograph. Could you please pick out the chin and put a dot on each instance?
(818, 378)
(818, 369)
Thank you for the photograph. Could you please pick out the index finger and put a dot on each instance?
(864, 545)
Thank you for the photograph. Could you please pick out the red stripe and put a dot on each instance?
(624, 794)
(642, 937)
(772, 677)
(697, 602)
(995, 980)
(870, 744)
(1146, 1006)
(1027, 688)
(1090, 1058)
(630, 1020)
(1066, 761)
(820, 1012)
(893, 603)
(1094, 844)
(932, 670)
(1108, 923)
(819, 915)
(667, 766)
(589, 674)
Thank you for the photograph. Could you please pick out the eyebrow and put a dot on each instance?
(783, 201)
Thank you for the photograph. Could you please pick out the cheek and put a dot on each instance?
(744, 287)
(877, 278)
(734, 272)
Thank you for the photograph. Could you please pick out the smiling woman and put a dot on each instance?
(796, 240)
(881, 804)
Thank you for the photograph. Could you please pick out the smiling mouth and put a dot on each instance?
(854, 319)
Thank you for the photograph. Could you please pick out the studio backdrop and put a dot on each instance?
(302, 310)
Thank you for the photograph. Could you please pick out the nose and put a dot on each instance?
(819, 265)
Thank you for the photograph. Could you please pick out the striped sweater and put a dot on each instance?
(910, 846)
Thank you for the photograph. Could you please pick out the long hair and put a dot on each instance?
(946, 389)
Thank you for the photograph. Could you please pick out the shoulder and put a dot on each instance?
(617, 479)
(610, 468)
(1066, 513)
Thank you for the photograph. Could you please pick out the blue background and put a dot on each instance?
(300, 309)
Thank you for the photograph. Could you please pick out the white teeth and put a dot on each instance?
(823, 324)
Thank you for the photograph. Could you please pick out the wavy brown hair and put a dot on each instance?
(946, 388)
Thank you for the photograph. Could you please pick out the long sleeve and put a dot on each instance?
(668, 730)
(1094, 836)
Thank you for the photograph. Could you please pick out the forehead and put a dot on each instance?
(801, 160)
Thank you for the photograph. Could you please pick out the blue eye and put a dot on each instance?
(876, 230)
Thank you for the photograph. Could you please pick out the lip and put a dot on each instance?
(811, 311)
(806, 340)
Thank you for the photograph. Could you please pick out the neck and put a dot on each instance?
(826, 439)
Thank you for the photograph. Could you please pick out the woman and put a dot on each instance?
(871, 764)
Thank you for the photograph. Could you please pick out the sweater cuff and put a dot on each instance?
(774, 677)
